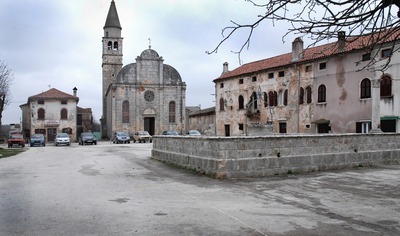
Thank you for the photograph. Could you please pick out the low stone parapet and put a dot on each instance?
(238, 157)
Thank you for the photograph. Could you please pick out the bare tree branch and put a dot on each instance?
(321, 20)
(6, 78)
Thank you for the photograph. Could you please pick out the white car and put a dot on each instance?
(62, 139)
(193, 133)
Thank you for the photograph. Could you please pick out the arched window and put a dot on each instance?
(172, 112)
(265, 99)
(115, 45)
(322, 93)
(386, 86)
(109, 45)
(285, 97)
(275, 98)
(309, 94)
(125, 112)
(64, 114)
(254, 100)
(221, 104)
(301, 96)
(271, 98)
(241, 102)
(365, 88)
(41, 114)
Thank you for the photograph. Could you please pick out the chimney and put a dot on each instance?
(341, 41)
(75, 90)
(297, 49)
(225, 68)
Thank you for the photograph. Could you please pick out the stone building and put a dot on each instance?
(332, 88)
(145, 95)
(51, 112)
(202, 120)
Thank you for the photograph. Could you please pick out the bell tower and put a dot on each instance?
(112, 56)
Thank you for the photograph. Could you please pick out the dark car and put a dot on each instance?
(121, 137)
(142, 136)
(87, 138)
(170, 132)
(16, 140)
(37, 140)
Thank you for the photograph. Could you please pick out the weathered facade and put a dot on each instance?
(146, 95)
(330, 88)
(50, 112)
(202, 120)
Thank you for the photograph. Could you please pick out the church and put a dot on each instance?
(144, 95)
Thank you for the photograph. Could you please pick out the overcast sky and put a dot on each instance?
(57, 44)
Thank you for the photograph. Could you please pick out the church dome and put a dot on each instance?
(149, 54)
(171, 75)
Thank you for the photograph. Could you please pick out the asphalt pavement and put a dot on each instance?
(117, 189)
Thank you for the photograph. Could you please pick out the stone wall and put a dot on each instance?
(237, 157)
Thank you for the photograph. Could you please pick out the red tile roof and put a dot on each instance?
(53, 94)
(313, 53)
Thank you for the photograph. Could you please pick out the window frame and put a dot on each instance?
(301, 96)
(241, 102)
(41, 114)
(285, 97)
(125, 112)
(221, 104)
(322, 93)
(386, 86)
(365, 88)
(366, 57)
(64, 114)
(322, 66)
(172, 112)
(308, 91)
(265, 99)
(386, 53)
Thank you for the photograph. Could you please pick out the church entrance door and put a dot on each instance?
(149, 124)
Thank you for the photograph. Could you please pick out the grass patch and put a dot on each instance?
(7, 152)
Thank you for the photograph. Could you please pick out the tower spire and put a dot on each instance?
(112, 20)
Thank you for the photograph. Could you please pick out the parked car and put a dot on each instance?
(62, 139)
(142, 136)
(37, 139)
(16, 140)
(170, 132)
(87, 138)
(193, 133)
(121, 137)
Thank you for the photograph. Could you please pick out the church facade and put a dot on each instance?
(144, 95)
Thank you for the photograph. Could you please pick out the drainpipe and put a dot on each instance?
(298, 97)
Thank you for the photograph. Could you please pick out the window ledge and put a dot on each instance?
(363, 99)
(387, 97)
(321, 103)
